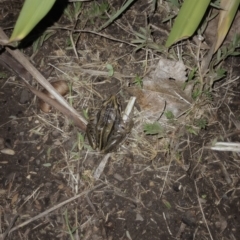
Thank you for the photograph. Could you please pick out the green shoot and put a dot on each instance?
(110, 70)
(98, 11)
(191, 130)
(70, 231)
(144, 40)
(117, 14)
(138, 81)
(44, 37)
(169, 115)
(201, 123)
(72, 11)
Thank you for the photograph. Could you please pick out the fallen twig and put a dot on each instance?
(62, 103)
(43, 214)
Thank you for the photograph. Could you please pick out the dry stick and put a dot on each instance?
(3, 235)
(95, 33)
(43, 214)
(9, 62)
(39, 77)
(200, 205)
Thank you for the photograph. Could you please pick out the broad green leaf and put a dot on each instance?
(188, 19)
(226, 16)
(32, 12)
(152, 128)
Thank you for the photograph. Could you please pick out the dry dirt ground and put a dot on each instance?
(146, 191)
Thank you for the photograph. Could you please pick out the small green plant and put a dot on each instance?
(117, 14)
(216, 71)
(174, 5)
(208, 94)
(98, 11)
(192, 74)
(3, 75)
(110, 69)
(201, 123)
(138, 81)
(216, 74)
(167, 204)
(230, 50)
(153, 129)
(196, 92)
(73, 10)
(40, 41)
(191, 130)
(70, 230)
(144, 40)
(169, 115)
(81, 141)
(86, 113)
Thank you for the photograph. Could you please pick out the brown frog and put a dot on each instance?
(108, 129)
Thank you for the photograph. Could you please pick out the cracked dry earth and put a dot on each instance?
(183, 192)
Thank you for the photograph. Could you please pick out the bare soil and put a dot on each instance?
(184, 191)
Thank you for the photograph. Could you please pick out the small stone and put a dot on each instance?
(139, 217)
(8, 151)
(151, 184)
(118, 177)
(189, 218)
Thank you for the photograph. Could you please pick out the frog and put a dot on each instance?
(107, 129)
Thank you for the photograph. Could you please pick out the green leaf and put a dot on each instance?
(187, 21)
(85, 113)
(192, 73)
(152, 128)
(167, 204)
(226, 16)
(138, 81)
(202, 123)
(32, 12)
(191, 130)
(110, 70)
(169, 115)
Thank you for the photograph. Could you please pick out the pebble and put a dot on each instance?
(7, 151)
(139, 217)
(118, 177)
